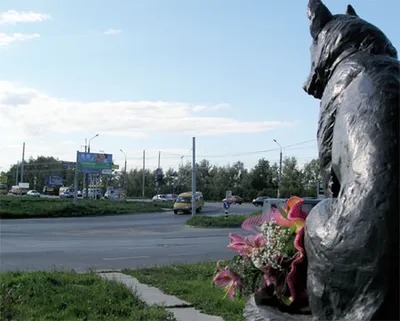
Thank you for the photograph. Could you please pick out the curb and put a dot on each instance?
(183, 311)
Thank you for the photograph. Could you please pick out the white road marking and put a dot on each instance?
(180, 254)
(125, 258)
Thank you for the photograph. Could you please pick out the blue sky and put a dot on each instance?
(228, 72)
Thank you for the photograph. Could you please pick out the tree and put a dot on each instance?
(262, 179)
(169, 181)
(204, 178)
(212, 180)
(291, 179)
(311, 177)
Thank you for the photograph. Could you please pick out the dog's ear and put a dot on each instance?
(319, 15)
(350, 11)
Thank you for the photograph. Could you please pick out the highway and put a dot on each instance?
(112, 242)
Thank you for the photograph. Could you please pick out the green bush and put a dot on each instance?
(26, 207)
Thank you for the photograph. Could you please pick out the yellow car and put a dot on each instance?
(183, 203)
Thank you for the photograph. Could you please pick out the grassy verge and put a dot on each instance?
(70, 296)
(26, 207)
(192, 283)
(231, 221)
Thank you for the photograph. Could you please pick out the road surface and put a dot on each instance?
(111, 242)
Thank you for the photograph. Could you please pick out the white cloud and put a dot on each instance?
(21, 106)
(9, 39)
(110, 32)
(210, 108)
(13, 17)
(27, 114)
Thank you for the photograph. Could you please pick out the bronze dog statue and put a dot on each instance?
(352, 238)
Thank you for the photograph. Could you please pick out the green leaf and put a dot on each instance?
(282, 211)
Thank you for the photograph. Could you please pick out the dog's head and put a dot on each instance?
(336, 37)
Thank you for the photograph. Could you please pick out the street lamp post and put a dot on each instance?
(87, 175)
(280, 169)
(125, 176)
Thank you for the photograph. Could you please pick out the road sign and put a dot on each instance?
(321, 193)
(227, 205)
(228, 194)
(23, 185)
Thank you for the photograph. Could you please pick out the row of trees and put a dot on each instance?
(212, 180)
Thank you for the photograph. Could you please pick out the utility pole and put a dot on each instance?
(280, 169)
(144, 166)
(22, 164)
(91, 176)
(76, 181)
(85, 175)
(157, 174)
(16, 174)
(194, 176)
(125, 176)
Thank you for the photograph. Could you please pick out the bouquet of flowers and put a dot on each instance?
(271, 262)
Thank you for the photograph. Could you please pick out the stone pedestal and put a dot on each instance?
(254, 312)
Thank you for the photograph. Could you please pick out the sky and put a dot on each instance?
(152, 74)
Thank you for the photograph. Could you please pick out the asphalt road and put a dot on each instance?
(112, 242)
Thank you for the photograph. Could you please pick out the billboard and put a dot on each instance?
(68, 164)
(94, 163)
(23, 185)
(54, 180)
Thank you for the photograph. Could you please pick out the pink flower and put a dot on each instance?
(255, 241)
(269, 276)
(245, 245)
(238, 244)
(230, 280)
(294, 213)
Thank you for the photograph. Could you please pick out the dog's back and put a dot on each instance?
(352, 241)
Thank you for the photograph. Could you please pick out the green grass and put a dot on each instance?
(231, 221)
(28, 207)
(70, 296)
(192, 283)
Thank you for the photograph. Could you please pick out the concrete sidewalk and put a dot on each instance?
(182, 310)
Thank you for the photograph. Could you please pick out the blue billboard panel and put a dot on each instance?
(95, 163)
(54, 180)
(68, 164)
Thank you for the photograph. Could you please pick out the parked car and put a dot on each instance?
(66, 194)
(259, 201)
(159, 198)
(234, 199)
(309, 203)
(171, 197)
(33, 193)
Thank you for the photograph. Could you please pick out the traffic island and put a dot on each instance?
(12, 207)
(223, 221)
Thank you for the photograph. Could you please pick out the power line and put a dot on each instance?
(177, 156)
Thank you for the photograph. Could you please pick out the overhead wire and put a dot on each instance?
(177, 156)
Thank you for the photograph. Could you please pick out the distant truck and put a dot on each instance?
(16, 190)
(51, 190)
